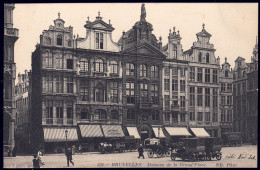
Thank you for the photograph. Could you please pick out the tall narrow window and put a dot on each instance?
(199, 75)
(83, 64)
(192, 116)
(99, 66)
(84, 114)
(229, 100)
(200, 116)
(207, 75)
(142, 70)
(48, 59)
(200, 57)
(100, 93)
(59, 112)
(223, 87)
(174, 71)
(99, 40)
(154, 94)
(192, 96)
(59, 84)
(84, 90)
(229, 115)
(49, 112)
(69, 63)
(130, 114)
(69, 84)
(182, 82)
(182, 72)
(222, 115)
(229, 87)
(207, 97)
(215, 76)
(114, 115)
(114, 92)
(215, 117)
(154, 71)
(155, 115)
(130, 69)
(223, 100)
(207, 58)
(199, 96)
(174, 51)
(182, 101)
(49, 84)
(192, 73)
(166, 84)
(226, 73)
(175, 84)
(215, 97)
(166, 71)
(59, 62)
(59, 40)
(144, 92)
(113, 67)
(207, 116)
(69, 43)
(167, 102)
(130, 93)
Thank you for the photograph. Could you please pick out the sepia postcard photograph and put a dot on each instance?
(130, 85)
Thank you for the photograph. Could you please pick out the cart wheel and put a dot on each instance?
(173, 156)
(168, 153)
(218, 156)
(150, 153)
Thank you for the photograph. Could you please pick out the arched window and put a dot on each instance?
(69, 43)
(130, 69)
(99, 91)
(83, 64)
(99, 66)
(226, 73)
(207, 58)
(142, 70)
(200, 57)
(100, 114)
(174, 51)
(59, 40)
(84, 114)
(114, 114)
(113, 67)
(244, 74)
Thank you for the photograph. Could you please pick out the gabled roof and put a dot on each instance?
(204, 33)
(99, 24)
(239, 58)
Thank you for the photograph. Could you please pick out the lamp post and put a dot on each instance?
(159, 131)
(66, 133)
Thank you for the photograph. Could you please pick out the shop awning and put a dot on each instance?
(177, 131)
(133, 132)
(57, 134)
(90, 131)
(200, 132)
(112, 131)
(156, 132)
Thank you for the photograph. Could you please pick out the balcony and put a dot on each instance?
(49, 121)
(11, 32)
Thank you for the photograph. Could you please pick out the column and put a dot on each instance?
(64, 113)
(54, 112)
(74, 116)
(43, 113)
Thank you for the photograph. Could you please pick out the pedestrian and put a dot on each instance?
(35, 161)
(80, 149)
(69, 156)
(14, 151)
(39, 154)
(141, 151)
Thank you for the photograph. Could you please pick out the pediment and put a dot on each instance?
(98, 25)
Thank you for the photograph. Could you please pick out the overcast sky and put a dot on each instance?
(233, 26)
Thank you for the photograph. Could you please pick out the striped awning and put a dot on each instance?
(200, 132)
(112, 131)
(156, 132)
(133, 132)
(177, 131)
(57, 134)
(89, 131)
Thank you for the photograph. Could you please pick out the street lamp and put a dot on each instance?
(66, 133)
(159, 131)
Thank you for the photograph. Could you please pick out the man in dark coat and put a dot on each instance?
(35, 161)
(68, 153)
(141, 151)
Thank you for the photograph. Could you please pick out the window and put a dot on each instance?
(69, 63)
(174, 71)
(154, 94)
(59, 109)
(200, 116)
(59, 84)
(142, 70)
(84, 114)
(192, 116)
(229, 115)
(114, 115)
(154, 72)
(99, 93)
(182, 72)
(166, 84)
(69, 110)
(229, 100)
(174, 84)
(199, 75)
(167, 116)
(99, 66)
(229, 87)
(192, 73)
(222, 116)
(182, 117)
(223, 87)
(69, 84)
(207, 58)
(113, 67)
(192, 96)
(244, 87)
(200, 57)
(155, 115)
(175, 117)
(215, 76)
(48, 41)
(215, 97)
(166, 71)
(49, 84)
(130, 114)
(49, 109)
(84, 90)
(234, 90)
(130, 69)
(182, 101)
(207, 75)
(69, 43)
(59, 61)
(182, 85)
(83, 64)
(226, 73)
(174, 51)
(130, 93)
(223, 100)
(99, 40)
(207, 116)
(239, 63)
(114, 92)
(100, 114)
(48, 59)
(59, 40)
(199, 96)
(215, 117)
(207, 97)
(167, 102)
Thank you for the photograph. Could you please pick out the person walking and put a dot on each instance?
(35, 161)
(141, 151)
(69, 156)
(80, 149)
(41, 162)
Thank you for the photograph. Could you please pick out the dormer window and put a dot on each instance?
(239, 63)
(59, 40)
(174, 51)
(200, 56)
(99, 40)
(207, 58)
(226, 73)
